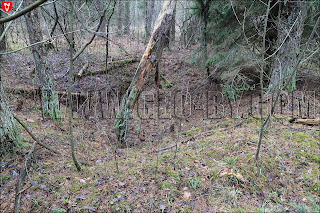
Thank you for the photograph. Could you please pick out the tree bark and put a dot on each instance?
(119, 17)
(290, 27)
(146, 21)
(9, 133)
(3, 41)
(100, 6)
(151, 12)
(173, 28)
(50, 103)
(205, 14)
(70, 77)
(127, 15)
(8, 129)
(149, 59)
(107, 36)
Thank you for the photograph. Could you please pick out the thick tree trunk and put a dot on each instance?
(149, 59)
(9, 134)
(290, 28)
(147, 21)
(151, 13)
(127, 14)
(170, 37)
(3, 45)
(119, 17)
(50, 103)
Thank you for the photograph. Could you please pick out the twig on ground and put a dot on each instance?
(194, 137)
(36, 139)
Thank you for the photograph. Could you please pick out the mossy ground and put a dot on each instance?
(214, 172)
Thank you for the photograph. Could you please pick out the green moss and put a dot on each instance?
(305, 140)
(5, 179)
(309, 157)
(166, 185)
(173, 175)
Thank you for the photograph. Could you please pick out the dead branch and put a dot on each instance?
(171, 146)
(83, 69)
(22, 178)
(36, 139)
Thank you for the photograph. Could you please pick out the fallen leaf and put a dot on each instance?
(30, 120)
(239, 176)
(186, 195)
(47, 163)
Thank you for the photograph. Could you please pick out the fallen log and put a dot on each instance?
(305, 121)
(115, 64)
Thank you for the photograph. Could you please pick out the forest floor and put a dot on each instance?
(208, 167)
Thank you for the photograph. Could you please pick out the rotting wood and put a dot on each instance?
(83, 69)
(115, 64)
(315, 121)
(149, 59)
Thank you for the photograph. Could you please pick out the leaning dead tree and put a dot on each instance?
(149, 59)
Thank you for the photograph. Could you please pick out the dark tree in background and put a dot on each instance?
(290, 26)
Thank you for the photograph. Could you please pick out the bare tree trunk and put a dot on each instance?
(149, 59)
(9, 134)
(50, 103)
(69, 89)
(173, 28)
(127, 15)
(107, 39)
(290, 28)
(146, 21)
(151, 13)
(171, 34)
(205, 14)
(100, 6)
(119, 17)
(3, 45)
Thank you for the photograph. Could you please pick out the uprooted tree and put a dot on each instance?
(149, 59)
